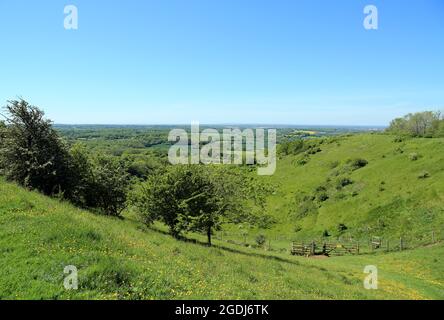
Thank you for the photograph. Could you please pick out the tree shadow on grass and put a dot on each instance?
(225, 248)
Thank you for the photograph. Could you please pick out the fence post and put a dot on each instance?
(401, 244)
(313, 248)
(433, 236)
(388, 245)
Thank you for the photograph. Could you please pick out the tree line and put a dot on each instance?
(428, 124)
(186, 198)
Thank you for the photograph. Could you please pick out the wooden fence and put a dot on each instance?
(326, 249)
(343, 245)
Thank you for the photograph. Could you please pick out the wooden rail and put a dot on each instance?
(327, 249)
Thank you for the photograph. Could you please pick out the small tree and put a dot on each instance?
(109, 185)
(82, 193)
(32, 153)
(199, 198)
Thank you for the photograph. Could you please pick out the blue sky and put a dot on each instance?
(223, 61)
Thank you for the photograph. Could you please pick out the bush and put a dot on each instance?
(304, 160)
(333, 164)
(32, 154)
(424, 175)
(342, 227)
(357, 163)
(343, 182)
(109, 185)
(413, 156)
(305, 206)
(260, 240)
(323, 196)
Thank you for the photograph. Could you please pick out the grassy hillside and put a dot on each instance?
(388, 197)
(122, 259)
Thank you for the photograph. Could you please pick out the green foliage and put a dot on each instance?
(304, 205)
(343, 182)
(198, 198)
(260, 240)
(32, 153)
(109, 185)
(298, 146)
(303, 160)
(413, 156)
(420, 124)
(342, 227)
(424, 175)
(357, 163)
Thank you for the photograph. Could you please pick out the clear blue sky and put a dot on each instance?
(223, 61)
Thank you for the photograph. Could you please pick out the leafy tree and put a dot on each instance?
(200, 198)
(32, 153)
(82, 193)
(108, 186)
(420, 124)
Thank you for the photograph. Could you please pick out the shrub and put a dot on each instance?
(323, 196)
(303, 161)
(260, 240)
(109, 185)
(343, 182)
(357, 163)
(342, 227)
(314, 150)
(424, 175)
(305, 206)
(413, 156)
(32, 154)
(333, 164)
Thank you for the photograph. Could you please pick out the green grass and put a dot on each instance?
(121, 259)
(386, 197)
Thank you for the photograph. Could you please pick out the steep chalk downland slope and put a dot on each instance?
(122, 259)
(387, 197)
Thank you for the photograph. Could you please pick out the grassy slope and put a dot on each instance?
(121, 259)
(408, 206)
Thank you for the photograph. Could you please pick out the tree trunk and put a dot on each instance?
(209, 236)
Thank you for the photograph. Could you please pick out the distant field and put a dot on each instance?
(121, 259)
